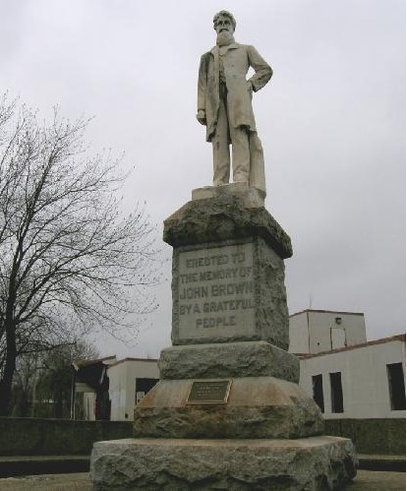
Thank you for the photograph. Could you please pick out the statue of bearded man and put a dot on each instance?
(225, 105)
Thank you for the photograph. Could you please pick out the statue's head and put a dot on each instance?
(224, 22)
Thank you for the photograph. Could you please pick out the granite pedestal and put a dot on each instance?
(229, 333)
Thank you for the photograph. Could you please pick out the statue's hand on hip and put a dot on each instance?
(201, 116)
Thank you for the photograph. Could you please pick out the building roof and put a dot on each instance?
(92, 372)
(326, 312)
(397, 337)
(132, 359)
(77, 364)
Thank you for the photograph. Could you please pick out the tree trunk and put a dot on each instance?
(6, 384)
(9, 367)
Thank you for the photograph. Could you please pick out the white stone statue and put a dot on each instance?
(225, 107)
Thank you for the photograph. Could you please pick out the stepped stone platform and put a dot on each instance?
(316, 463)
(228, 412)
(257, 407)
(378, 480)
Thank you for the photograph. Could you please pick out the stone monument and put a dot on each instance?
(228, 412)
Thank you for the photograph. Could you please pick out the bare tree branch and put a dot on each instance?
(69, 260)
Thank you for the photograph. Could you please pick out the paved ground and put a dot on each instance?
(380, 481)
(366, 480)
(48, 482)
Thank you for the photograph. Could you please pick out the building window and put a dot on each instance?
(318, 391)
(397, 390)
(336, 392)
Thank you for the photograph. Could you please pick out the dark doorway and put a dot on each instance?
(318, 391)
(397, 390)
(336, 392)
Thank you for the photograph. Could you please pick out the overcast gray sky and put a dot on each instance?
(332, 123)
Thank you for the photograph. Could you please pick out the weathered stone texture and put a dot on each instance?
(228, 360)
(221, 226)
(271, 298)
(258, 407)
(251, 197)
(313, 464)
(222, 218)
(214, 293)
(269, 320)
(230, 323)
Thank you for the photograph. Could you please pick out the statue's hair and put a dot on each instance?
(224, 13)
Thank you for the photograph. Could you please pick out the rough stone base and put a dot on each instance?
(225, 217)
(251, 197)
(244, 359)
(316, 463)
(257, 407)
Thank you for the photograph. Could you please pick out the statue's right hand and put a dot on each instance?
(201, 117)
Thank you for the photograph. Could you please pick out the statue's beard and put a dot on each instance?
(224, 38)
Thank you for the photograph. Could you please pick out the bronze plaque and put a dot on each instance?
(209, 392)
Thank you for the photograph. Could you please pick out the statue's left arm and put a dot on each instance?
(202, 88)
(263, 71)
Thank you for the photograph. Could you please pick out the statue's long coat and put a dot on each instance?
(236, 62)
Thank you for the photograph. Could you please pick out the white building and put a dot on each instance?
(315, 331)
(362, 381)
(347, 376)
(129, 380)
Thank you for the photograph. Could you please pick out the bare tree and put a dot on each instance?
(69, 262)
(42, 384)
